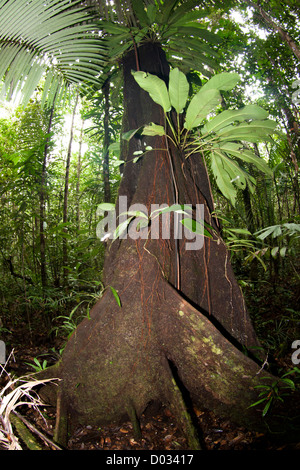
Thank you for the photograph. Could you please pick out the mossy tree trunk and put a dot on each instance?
(168, 340)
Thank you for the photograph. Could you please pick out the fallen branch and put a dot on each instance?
(36, 431)
(23, 432)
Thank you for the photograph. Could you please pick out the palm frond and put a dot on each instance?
(48, 38)
(177, 25)
(61, 42)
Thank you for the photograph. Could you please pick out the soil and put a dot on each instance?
(160, 432)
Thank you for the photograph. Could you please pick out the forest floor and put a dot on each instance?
(159, 429)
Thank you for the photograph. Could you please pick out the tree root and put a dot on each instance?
(179, 407)
(61, 425)
(134, 421)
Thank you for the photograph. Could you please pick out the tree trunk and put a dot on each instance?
(163, 343)
(66, 194)
(106, 142)
(42, 205)
(290, 42)
(78, 176)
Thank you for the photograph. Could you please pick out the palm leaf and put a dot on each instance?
(172, 22)
(47, 38)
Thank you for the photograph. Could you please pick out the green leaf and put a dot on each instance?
(135, 214)
(200, 106)
(254, 131)
(227, 117)
(197, 31)
(237, 174)
(153, 129)
(266, 408)
(166, 8)
(265, 232)
(114, 147)
(241, 231)
(258, 402)
(274, 251)
(282, 251)
(151, 13)
(113, 28)
(223, 179)
(48, 38)
(140, 12)
(178, 90)
(187, 18)
(292, 228)
(116, 295)
(195, 227)
(122, 227)
(246, 155)
(129, 134)
(179, 208)
(106, 206)
(156, 88)
(224, 81)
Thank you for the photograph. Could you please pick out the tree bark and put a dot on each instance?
(164, 343)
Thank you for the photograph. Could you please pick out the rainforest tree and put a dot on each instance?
(182, 327)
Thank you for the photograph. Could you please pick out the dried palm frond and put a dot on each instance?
(15, 393)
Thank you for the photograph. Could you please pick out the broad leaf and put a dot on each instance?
(179, 208)
(195, 227)
(237, 174)
(122, 228)
(227, 117)
(222, 178)
(246, 155)
(200, 106)
(156, 88)
(129, 134)
(178, 90)
(224, 81)
(254, 131)
(153, 129)
(105, 206)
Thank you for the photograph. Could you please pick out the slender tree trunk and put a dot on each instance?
(162, 340)
(291, 43)
(42, 205)
(106, 143)
(66, 193)
(78, 177)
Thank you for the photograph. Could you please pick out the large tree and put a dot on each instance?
(181, 332)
